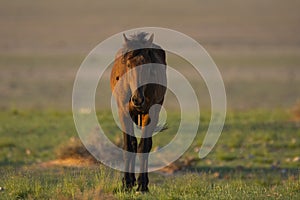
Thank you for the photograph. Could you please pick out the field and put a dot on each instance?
(256, 46)
(256, 157)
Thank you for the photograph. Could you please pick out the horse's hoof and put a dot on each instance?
(127, 188)
(141, 189)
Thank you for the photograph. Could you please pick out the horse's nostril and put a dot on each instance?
(137, 101)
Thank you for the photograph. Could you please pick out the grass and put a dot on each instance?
(103, 183)
(58, 183)
(254, 159)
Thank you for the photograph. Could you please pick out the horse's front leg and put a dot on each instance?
(130, 149)
(144, 148)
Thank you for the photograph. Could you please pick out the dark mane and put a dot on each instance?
(140, 37)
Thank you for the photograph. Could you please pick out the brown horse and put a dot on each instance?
(135, 64)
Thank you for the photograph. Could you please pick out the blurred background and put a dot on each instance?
(255, 44)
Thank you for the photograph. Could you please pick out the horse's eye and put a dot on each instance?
(123, 60)
(128, 65)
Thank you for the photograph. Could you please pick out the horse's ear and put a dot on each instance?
(150, 39)
(125, 38)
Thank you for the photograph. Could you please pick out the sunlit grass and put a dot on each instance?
(257, 156)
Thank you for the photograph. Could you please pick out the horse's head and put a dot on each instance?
(138, 52)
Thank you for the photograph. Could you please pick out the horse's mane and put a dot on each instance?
(139, 37)
(136, 41)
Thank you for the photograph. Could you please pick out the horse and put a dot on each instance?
(134, 63)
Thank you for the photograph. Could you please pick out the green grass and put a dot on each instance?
(58, 183)
(253, 159)
(103, 183)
